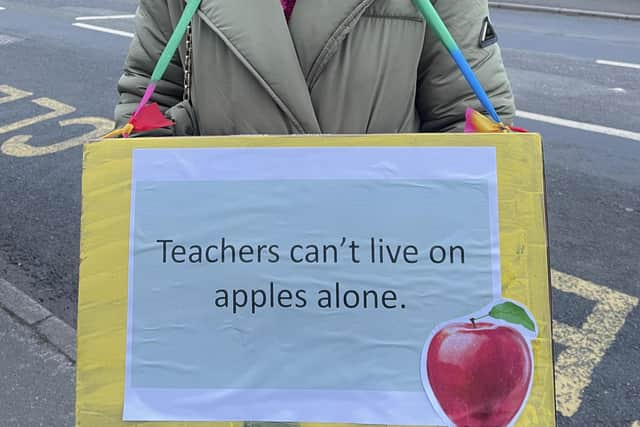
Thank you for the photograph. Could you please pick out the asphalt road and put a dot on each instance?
(593, 179)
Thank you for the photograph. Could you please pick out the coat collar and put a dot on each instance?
(317, 28)
(286, 60)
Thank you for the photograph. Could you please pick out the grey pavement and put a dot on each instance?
(36, 376)
(631, 7)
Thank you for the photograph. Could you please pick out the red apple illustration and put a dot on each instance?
(480, 372)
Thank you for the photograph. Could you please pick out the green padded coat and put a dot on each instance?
(338, 66)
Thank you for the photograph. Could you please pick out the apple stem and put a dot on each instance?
(473, 319)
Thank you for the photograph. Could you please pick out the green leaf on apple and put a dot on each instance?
(512, 313)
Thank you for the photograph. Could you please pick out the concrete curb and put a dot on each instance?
(46, 325)
(563, 10)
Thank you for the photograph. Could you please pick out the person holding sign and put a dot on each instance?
(322, 66)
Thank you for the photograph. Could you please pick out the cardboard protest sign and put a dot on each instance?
(389, 279)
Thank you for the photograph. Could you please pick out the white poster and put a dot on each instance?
(302, 284)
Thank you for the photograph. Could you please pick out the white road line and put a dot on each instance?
(588, 127)
(98, 18)
(104, 30)
(7, 40)
(618, 64)
(2, 8)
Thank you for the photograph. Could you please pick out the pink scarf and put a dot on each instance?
(287, 5)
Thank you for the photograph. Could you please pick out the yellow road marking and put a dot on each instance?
(636, 424)
(57, 109)
(12, 93)
(586, 346)
(18, 147)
